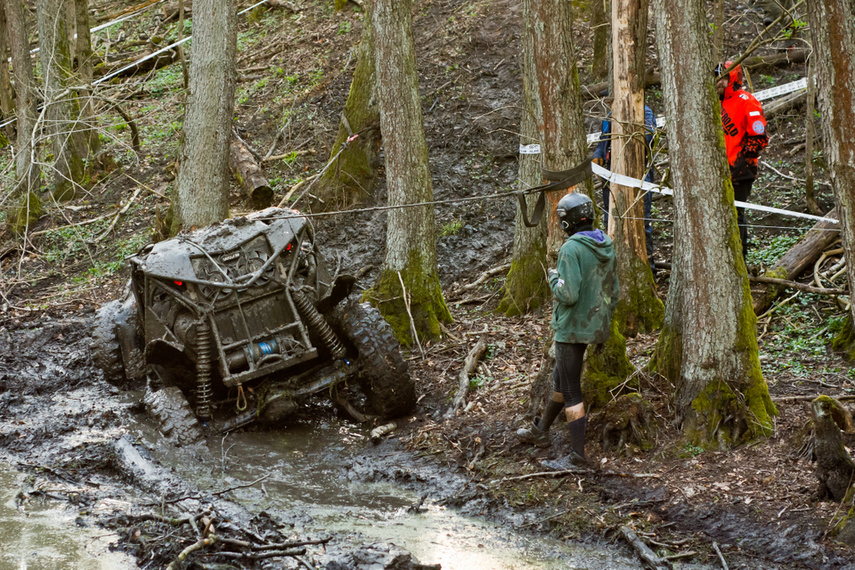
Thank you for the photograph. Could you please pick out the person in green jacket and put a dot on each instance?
(585, 292)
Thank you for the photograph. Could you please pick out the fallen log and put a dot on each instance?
(797, 259)
(249, 174)
(784, 104)
(644, 552)
(469, 365)
(144, 63)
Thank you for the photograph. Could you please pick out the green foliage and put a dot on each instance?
(451, 228)
(166, 80)
(344, 28)
(773, 251)
(692, 450)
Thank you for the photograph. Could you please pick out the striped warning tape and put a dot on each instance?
(622, 180)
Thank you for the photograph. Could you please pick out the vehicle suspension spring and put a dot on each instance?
(316, 322)
(203, 369)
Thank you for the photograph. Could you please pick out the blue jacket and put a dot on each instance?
(604, 147)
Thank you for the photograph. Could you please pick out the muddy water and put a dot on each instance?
(43, 535)
(314, 477)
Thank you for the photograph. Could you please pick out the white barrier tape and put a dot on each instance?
(651, 187)
(785, 89)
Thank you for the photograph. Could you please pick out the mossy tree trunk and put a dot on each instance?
(564, 144)
(526, 287)
(351, 180)
(26, 169)
(833, 32)
(640, 310)
(709, 341)
(203, 177)
(62, 109)
(411, 233)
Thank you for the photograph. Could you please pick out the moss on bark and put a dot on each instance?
(24, 213)
(606, 368)
(423, 292)
(526, 288)
(844, 341)
(639, 309)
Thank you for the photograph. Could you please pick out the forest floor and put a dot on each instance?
(754, 506)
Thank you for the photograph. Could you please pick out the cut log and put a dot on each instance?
(249, 174)
(785, 103)
(800, 257)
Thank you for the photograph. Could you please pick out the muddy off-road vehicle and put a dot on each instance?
(242, 321)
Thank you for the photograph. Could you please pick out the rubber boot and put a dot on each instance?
(538, 433)
(576, 458)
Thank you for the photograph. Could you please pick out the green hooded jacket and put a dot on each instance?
(584, 289)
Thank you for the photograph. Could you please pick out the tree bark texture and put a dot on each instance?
(640, 309)
(62, 109)
(833, 32)
(411, 232)
(203, 180)
(83, 66)
(7, 103)
(561, 128)
(600, 24)
(352, 179)
(525, 285)
(249, 174)
(709, 336)
(26, 169)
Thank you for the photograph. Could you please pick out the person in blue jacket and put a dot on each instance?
(603, 157)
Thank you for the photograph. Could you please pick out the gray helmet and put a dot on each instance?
(575, 210)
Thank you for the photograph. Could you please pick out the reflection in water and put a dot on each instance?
(304, 470)
(44, 535)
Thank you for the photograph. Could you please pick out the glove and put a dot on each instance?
(550, 273)
(598, 161)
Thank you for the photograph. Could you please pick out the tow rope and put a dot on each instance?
(560, 180)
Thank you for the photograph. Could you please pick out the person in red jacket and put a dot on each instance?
(744, 136)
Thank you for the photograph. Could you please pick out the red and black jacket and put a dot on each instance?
(744, 128)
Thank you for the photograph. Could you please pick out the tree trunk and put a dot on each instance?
(833, 32)
(797, 259)
(203, 179)
(639, 308)
(526, 287)
(708, 344)
(561, 128)
(810, 134)
(62, 110)
(410, 238)
(600, 24)
(249, 174)
(26, 169)
(7, 104)
(352, 179)
(84, 63)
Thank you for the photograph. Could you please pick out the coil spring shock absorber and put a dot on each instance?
(316, 322)
(203, 368)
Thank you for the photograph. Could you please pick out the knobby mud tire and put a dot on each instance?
(383, 371)
(106, 349)
(174, 415)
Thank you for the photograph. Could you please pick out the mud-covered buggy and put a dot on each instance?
(242, 320)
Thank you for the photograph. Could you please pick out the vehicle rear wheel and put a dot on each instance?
(173, 413)
(383, 371)
(106, 350)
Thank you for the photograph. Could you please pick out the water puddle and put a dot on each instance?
(304, 480)
(44, 535)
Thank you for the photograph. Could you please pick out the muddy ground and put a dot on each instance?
(82, 443)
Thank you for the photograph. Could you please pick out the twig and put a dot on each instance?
(796, 285)
(579, 471)
(720, 556)
(250, 484)
(208, 541)
(116, 218)
(412, 322)
(469, 365)
(481, 279)
(261, 556)
(642, 549)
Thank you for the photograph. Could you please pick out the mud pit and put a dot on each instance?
(85, 473)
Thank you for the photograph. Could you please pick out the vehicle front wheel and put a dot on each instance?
(383, 372)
